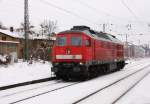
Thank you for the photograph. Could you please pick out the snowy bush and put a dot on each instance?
(4, 59)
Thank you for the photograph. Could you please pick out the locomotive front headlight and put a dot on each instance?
(81, 63)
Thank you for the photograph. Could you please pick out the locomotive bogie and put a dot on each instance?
(69, 70)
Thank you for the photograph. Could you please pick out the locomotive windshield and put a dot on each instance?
(61, 41)
(76, 41)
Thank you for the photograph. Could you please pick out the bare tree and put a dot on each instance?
(48, 27)
(21, 29)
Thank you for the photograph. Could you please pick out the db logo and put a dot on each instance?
(67, 51)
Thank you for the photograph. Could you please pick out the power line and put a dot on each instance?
(92, 8)
(67, 11)
(108, 14)
(134, 15)
(98, 11)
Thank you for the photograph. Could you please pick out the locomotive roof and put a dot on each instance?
(94, 34)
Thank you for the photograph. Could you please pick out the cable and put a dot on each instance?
(98, 11)
(122, 1)
(134, 15)
(66, 11)
(92, 8)
(108, 14)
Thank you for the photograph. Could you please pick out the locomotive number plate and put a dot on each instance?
(68, 56)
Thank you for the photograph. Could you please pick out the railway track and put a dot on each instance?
(31, 95)
(44, 93)
(112, 84)
(30, 89)
(122, 95)
(27, 83)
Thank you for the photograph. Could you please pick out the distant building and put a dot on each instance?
(9, 43)
(134, 51)
(12, 42)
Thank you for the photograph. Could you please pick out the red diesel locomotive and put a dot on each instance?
(84, 53)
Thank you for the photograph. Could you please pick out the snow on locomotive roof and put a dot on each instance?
(102, 36)
(93, 34)
(113, 38)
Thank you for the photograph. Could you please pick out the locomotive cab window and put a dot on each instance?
(61, 41)
(76, 41)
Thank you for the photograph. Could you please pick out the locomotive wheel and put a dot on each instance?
(65, 78)
(58, 77)
(86, 75)
(91, 72)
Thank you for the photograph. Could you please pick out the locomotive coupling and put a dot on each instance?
(76, 69)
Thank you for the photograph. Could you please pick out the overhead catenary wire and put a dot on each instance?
(91, 7)
(95, 9)
(81, 17)
(134, 15)
(130, 10)
(101, 11)
(67, 11)
(116, 18)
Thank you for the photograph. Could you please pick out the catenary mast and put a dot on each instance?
(26, 30)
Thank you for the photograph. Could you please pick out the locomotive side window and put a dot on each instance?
(87, 42)
(61, 41)
(102, 44)
(76, 41)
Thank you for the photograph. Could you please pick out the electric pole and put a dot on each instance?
(104, 27)
(26, 30)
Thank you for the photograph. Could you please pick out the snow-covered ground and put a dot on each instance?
(22, 72)
(72, 93)
(140, 94)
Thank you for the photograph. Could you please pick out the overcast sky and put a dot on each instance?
(92, 13)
